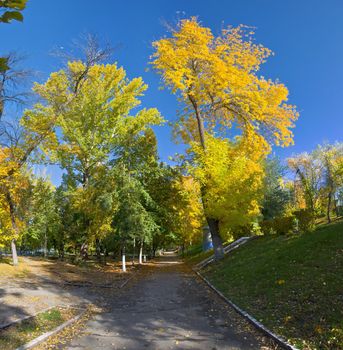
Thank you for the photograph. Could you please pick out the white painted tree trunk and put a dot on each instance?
(140, 254)
(14, 253)
(144, 259)
(123, 260)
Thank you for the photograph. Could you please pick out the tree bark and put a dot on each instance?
(45, 245)
(14, 227)
(217, 241)
(98, 249)
(84, 251)
(140, 254)
(329, 207)
(212, 223)
(61, 251)
(14, 253)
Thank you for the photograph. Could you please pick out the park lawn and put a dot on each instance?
(8, 270)
(89, 271)
(21, 333)
(292, 284)
(196, 254)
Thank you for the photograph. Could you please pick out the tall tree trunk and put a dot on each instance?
(84, 251)
(212, 223)
(98, 249)
(216, 238)
(329, 207)
(140, 253)
(61, 251)
(14, 252)
(14, 227)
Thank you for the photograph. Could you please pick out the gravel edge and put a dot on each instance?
(46, 335)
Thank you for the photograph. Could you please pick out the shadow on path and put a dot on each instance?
(168, 307)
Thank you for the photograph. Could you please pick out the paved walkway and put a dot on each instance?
(167, 307)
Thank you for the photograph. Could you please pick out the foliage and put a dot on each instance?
(279, 225)
(92, 114)
(275, 194)
(305, 219)
(14, 192)
(133, 219)
(318, 179)
(90, 108)
(216, 80)
(42, 216)
(11, 10)
(233, 179)
(217, 77)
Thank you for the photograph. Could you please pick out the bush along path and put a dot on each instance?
(167, 307)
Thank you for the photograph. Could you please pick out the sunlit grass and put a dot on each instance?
(8, 270)
(292, 284)
(23, 332)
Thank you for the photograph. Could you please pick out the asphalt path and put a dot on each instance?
(167, 307)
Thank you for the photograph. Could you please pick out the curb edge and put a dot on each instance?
(279, 340)
(46, 335)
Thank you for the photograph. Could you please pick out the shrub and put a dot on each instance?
(305, 219)
(279, 225)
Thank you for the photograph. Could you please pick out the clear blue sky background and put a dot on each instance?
(306, 36)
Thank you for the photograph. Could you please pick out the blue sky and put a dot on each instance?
(305, 35)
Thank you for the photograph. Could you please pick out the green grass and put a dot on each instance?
(23, 332)
(292, 284)
(195, 254)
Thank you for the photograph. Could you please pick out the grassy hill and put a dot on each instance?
(292, 284)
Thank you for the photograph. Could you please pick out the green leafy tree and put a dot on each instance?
(90, 110)
(42, 219)
(331, 158)
(276, 196)
(132, 219)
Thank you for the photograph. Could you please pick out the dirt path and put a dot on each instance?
(167, 307)
(50, 283)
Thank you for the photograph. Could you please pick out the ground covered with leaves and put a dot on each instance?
(292, 284)
(37, 284)
(29, 329)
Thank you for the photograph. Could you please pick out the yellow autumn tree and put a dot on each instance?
(189, 210)
(217, 80)
(233, 177)
(12, 194)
